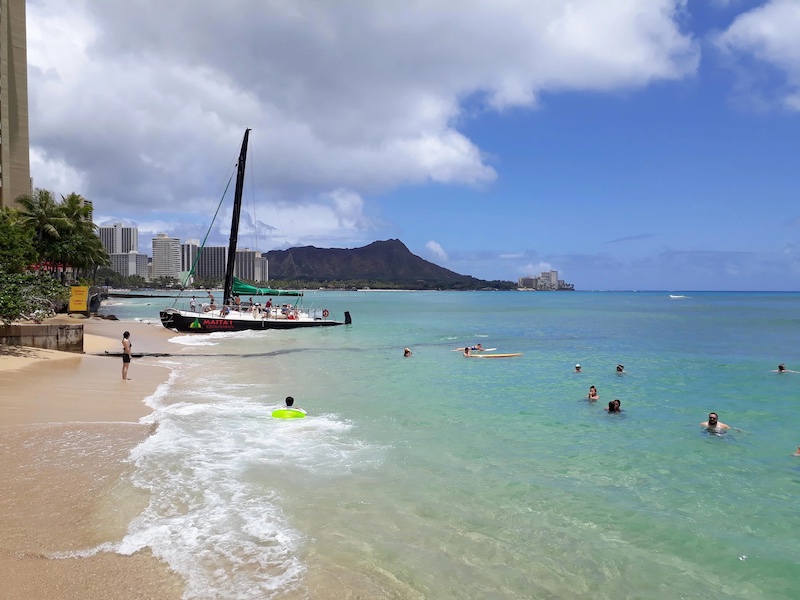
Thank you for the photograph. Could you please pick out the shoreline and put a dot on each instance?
(68, 424)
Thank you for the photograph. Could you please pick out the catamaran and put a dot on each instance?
(232, 315)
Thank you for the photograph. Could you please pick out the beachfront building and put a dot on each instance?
(547, 281)
(189, 250)
(250, 266)
(15, 164)
(119, 239)
(166, 256)
(212, 262)
(131, 263)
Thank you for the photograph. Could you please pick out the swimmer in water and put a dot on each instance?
(577, 368)
(466, 351)
(290, 404)
(592, 396)
(797, 453)
(620, 369)
(713, 423)
(614, 406)
(782, 369)
(407, 352)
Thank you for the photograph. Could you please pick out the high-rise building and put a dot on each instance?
(15, 163)
(262, 269)
(245, 266)
(189, 251)
(166, 256)
(118, 239)
(131, 263)
(211, 263)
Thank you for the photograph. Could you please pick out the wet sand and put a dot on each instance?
(67, 424)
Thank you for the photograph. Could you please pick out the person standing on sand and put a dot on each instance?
(126, 354)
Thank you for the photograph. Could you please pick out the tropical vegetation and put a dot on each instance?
(44, 245)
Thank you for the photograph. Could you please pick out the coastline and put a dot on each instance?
(68, 424)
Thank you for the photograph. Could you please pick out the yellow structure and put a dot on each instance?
(15, 164)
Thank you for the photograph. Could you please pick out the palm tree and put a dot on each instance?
(82, 248)
(41, 213)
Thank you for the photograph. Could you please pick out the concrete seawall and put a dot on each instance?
(67, 338)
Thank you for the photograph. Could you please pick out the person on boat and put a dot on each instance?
(238, 303)
(290, 404)
(225, 310)
(577, 368)
(269, 304)
(212, 305)
(592, 396)
(407, 352)
(614, 406)
(714, 424)
(193, 305)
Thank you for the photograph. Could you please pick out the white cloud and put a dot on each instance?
(143, 104)
(769, 34)
(437, 251)
(535, 268)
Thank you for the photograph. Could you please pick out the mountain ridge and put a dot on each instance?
(385, 261)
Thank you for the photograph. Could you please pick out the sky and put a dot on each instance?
(627, 144)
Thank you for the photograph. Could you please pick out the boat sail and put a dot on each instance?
(233, 315)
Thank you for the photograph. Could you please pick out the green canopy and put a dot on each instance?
(240, 288)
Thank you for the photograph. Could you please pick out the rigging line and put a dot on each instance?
(280, 226)
(208, 232)
(252, 198)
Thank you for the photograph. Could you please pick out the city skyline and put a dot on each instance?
(626, 145)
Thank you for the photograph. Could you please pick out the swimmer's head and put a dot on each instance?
(289, 400)
(781, 367)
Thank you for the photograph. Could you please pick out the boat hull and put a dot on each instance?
(189, 322)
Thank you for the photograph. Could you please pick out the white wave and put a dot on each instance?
(677, 296)
(215, 467)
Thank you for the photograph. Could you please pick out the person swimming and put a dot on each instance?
(713, 424)
(592, 396)
(614, 406)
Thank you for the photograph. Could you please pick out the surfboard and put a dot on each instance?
(288, 413)
(495, 355)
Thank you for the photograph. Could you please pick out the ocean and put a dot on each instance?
(438, 476)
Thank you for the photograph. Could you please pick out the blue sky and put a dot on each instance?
(628, 145)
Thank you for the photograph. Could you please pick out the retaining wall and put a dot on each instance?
(64, 337)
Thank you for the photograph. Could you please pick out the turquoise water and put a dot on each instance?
(438, 476)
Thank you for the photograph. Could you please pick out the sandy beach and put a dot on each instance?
(67, 423)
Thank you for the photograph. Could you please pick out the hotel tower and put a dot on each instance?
(15, 165)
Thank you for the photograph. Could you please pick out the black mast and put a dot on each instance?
(237, 209)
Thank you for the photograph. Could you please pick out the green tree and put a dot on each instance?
(79, 246)
(17, 251)
(43, 217)
(32, 296)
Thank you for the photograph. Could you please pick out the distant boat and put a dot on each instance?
(234, 316)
